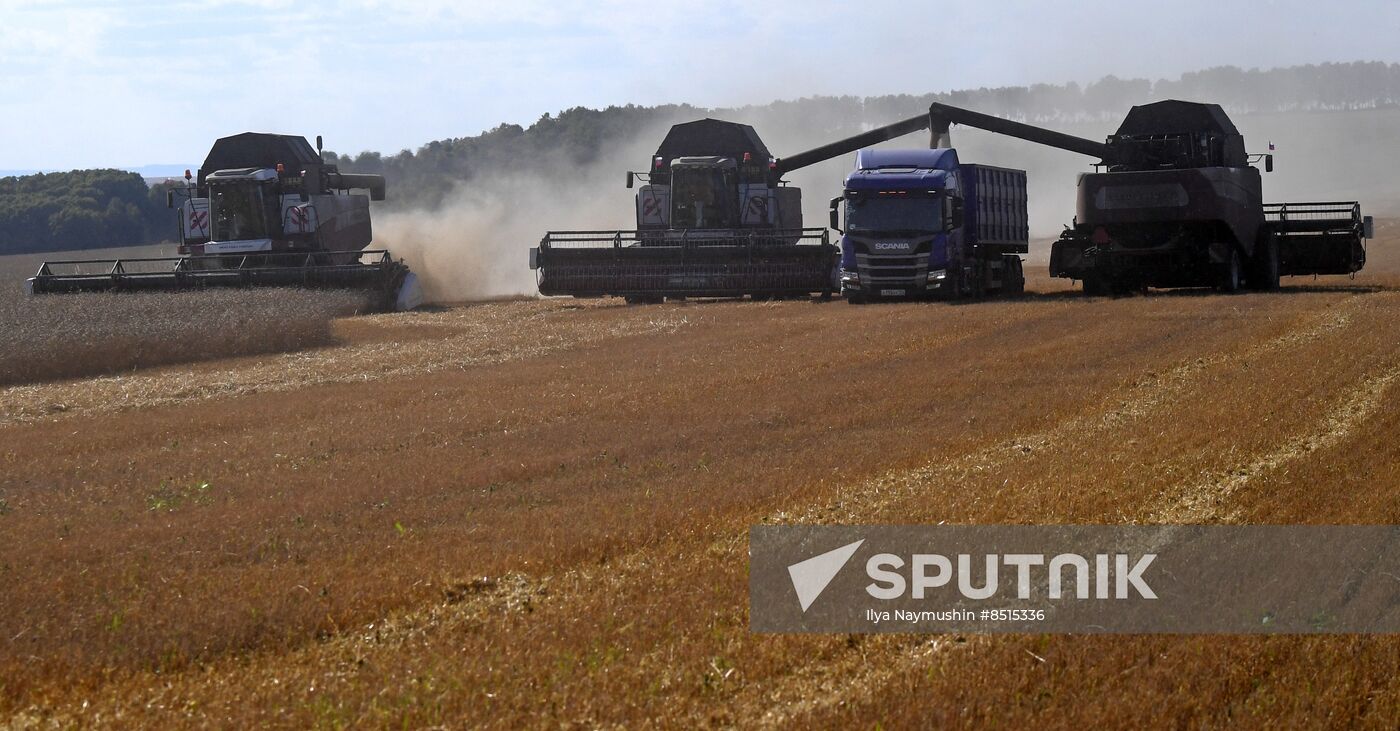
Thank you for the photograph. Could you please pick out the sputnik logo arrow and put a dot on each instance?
(810, 577)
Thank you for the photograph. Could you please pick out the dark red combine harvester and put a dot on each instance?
(1179, 204)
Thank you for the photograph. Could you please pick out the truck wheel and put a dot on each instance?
(1012, 277)
(855, 299)
(1228, 278)
(1264, 266)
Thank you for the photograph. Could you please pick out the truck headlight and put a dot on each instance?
(850, 277)
(937, 275)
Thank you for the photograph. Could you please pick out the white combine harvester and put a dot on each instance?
(264, 210)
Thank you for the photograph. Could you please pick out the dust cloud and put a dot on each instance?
(475, 245)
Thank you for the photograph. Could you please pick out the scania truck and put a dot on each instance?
(920, 224)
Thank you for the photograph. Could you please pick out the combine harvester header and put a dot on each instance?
(264, 210)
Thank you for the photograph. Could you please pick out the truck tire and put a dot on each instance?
(1096, 285)
(1229, 276)
(1264, 265)
(1013, 278)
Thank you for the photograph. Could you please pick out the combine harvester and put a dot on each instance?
(1177, 202)
(264, 211)
(714, 219)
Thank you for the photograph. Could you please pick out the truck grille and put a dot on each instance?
(898, 269)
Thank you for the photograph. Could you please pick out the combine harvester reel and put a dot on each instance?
(643, 267)
(389, 282)
(264, 211)
(1319, 238)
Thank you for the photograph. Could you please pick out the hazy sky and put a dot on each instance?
(97, 83)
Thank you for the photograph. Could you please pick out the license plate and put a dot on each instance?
(893, 292)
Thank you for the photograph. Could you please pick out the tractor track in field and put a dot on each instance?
(1137, 402)
(1204, 502)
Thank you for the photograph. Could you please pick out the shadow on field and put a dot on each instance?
(1285, 289)
(1058, 295)
(54, 337)
(1189, 292)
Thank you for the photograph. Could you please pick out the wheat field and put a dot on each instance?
(54, 337)
(535, 513)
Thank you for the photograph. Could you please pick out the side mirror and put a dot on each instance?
(835, 221)
(630, 175)
(953, 212)
(1368, 228)
(1268, 163)
(169, 199)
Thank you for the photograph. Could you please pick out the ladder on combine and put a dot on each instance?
(1319, 238)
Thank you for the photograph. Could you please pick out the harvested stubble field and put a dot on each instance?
(534, 513)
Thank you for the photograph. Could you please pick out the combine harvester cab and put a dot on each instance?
(713, 220)
(264, 211)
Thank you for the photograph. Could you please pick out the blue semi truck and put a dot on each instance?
(921, 224)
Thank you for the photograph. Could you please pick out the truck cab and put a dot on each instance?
(919, 223)
(900, 216)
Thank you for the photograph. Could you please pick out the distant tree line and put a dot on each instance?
(581, 136)
(82, 209)
(105, 208)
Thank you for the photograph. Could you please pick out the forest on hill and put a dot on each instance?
(81, 209)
